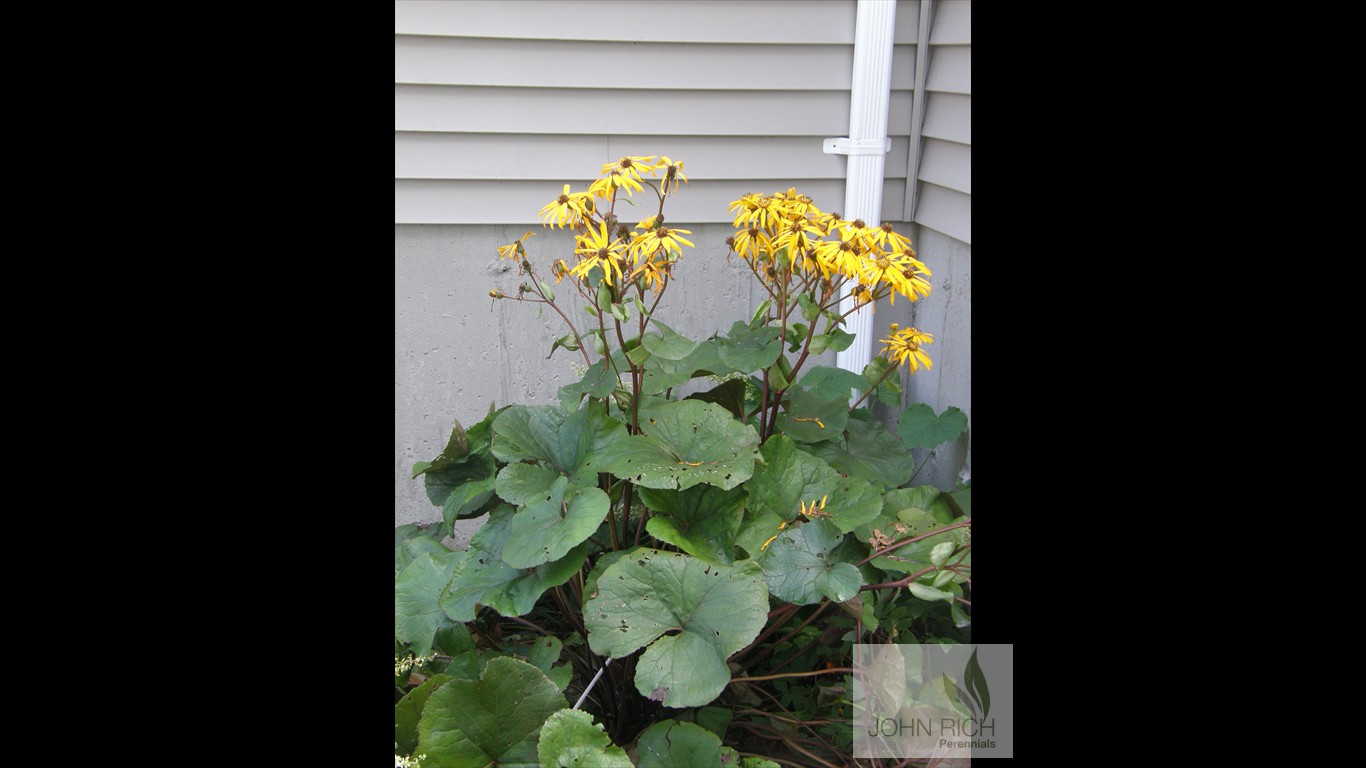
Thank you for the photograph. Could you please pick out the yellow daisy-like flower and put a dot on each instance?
(844, 255)
(646, 244)
(598, 249)
(899, 271)
(767, 213)
(655, 273)
(673, 173)
(753, 243)
(797, 236)
(857, 229)
(904, 347)
(602, 188)
(570, 208)
(887, 237)
(797, 204)
(632, 166)
(511, 250)
(743, 207)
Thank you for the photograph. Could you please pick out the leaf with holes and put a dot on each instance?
(482, 576)
(869, 451)
(681, 445)
(692, 614)
(570, 739)
(553, 437)
(811, 417)
(729, 395)
(702, 520)
(920, 428)
(671, 744)
(490, 721)
(786, 478)
(523, 483)
(550, 526)
(800, 568)
(417, 611)
(747, 350)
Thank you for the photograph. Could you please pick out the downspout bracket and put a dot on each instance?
(847, 146)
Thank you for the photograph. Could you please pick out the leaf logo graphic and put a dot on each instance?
(976, 683)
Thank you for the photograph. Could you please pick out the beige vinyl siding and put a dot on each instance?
(498, 104)
(944, 201)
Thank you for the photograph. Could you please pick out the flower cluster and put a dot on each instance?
(623, 255)
(904, 347)
(786, 228)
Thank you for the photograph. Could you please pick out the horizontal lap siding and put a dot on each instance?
(761, 22)
(446, 201)
(944, 202)
(498, 104)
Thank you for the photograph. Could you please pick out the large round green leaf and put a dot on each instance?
(550, 526)
(869, 451)
(692, 614)
(683, 444)
(440, 483)
(598, 381)
(491, 721)
(550, 435)
(671, 744)
(522, 483)
(747, 350)
(411, 541)
(834, 382)
(417, 612)
(786, 479)
(570, 739)
(667, 343)
(812, 416)
(483, 577)
(920, 428)
(702, 520)
(800, 566)
(408, 711)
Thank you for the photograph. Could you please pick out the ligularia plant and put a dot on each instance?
(662, 579)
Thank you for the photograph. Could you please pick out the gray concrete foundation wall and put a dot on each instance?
(946, 313)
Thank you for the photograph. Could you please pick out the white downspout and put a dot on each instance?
(867, 146)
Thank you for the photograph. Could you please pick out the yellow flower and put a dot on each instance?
(904, 346)
(655, 273)
(885, 235)
(632, 166)
(843, 255)
(673, 173)
(647, 244)
(510, 251)
(746, 205)
(797, 204)
(752, 243)
(767, 213)
(898, 271)
(602, 188)
(597, 249)
(568, 208)
(797, 236)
